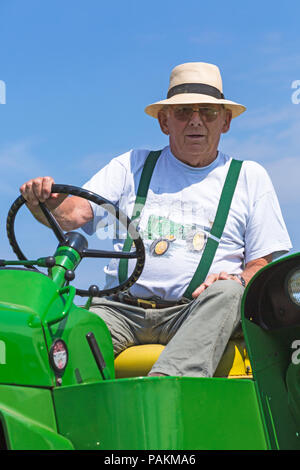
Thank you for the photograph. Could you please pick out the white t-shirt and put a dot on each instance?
(178, 214)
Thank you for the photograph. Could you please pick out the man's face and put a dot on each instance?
(194, 135)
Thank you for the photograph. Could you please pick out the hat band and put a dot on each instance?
(201, 88)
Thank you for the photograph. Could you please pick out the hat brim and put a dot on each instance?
(194, 98)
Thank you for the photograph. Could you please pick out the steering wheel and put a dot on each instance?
(66, 238)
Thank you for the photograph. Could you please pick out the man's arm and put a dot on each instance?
(250, 269)
(70, 212)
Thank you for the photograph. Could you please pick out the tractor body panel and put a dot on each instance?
(81, 367)
(24, 296)
(271, 325)
(162, 413)
(28, 300)
(28, 421)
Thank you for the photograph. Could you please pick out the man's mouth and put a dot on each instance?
(195, 136)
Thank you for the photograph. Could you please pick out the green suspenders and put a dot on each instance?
(139, 203)
(216, 230)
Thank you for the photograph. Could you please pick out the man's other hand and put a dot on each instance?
(223, 276)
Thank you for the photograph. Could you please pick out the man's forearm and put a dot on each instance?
(38, 214)
(72, 213)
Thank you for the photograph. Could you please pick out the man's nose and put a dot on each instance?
(196, 118)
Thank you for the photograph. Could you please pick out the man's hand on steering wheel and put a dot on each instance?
(39, 190)
(74, 213)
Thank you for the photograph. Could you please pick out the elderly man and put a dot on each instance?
(209, 223)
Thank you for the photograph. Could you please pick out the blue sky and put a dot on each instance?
(78, 75)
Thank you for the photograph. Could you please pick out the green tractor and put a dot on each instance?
(61, 388)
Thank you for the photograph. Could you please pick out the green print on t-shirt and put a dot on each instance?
(159, 226)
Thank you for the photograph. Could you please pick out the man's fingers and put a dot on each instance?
(37, 190)
(46, 188)
(208, 281)
(198, 291)
(29, 193)
(223, 276)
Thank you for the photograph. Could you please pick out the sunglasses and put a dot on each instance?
(184, 113)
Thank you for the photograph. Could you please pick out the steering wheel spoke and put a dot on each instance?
(59, 233)
(88, 253)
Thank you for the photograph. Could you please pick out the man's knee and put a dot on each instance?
(228, 287)
(221, 297)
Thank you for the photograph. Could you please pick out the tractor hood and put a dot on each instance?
(26, 297)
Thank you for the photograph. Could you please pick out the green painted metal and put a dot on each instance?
(65, 258)
(82, 367)
(276, 378)
(33, 313)
(28, 419)
(162, 413)
(24, 297)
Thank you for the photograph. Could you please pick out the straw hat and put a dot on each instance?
(195, 82)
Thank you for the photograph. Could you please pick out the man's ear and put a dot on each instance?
(227, 121)
(163, 121)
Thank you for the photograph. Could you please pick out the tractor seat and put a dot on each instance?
(136, 361)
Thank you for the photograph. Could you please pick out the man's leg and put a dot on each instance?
(197, 346)
(120, 320)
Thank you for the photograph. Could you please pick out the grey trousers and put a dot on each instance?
(195, 334)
